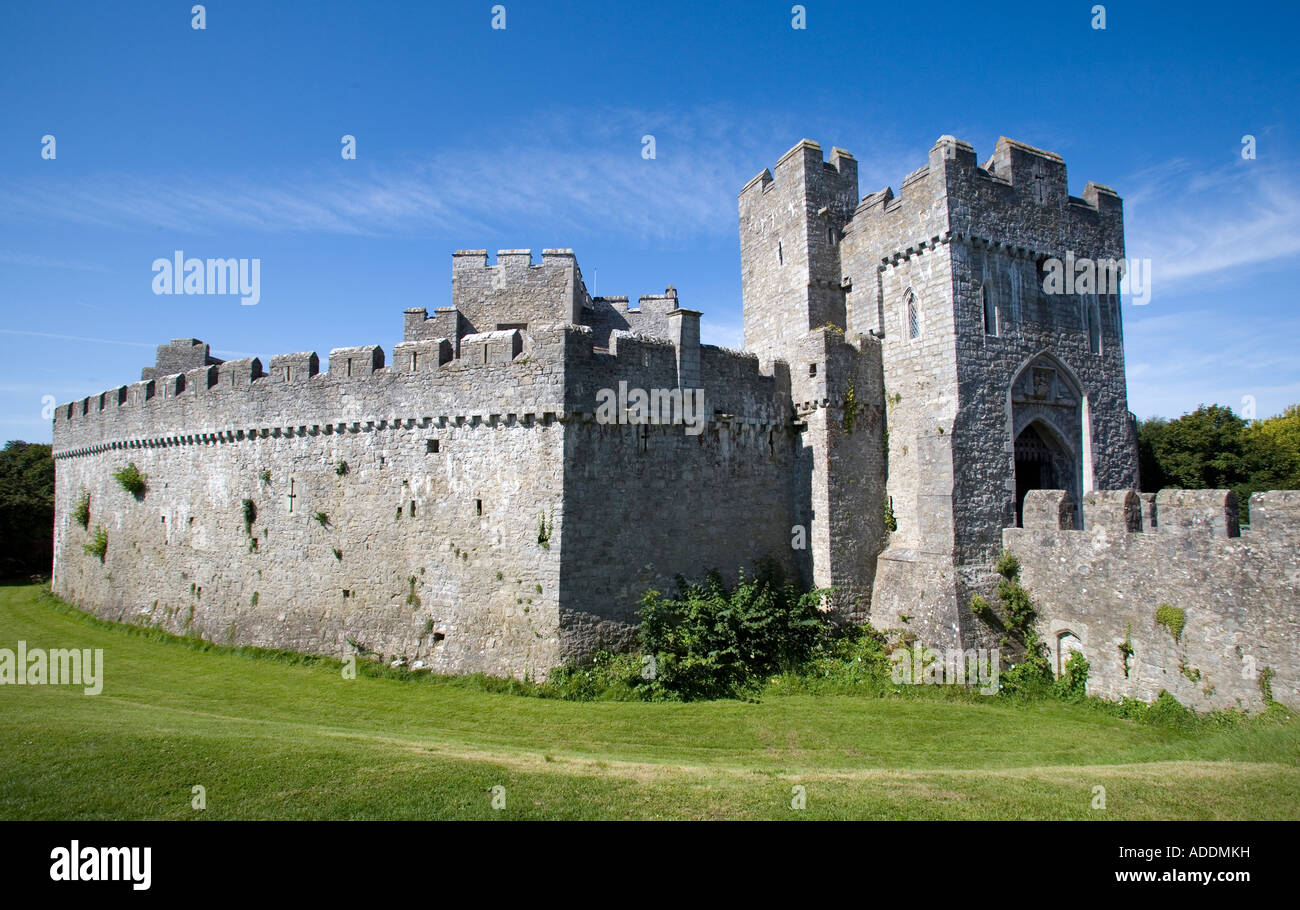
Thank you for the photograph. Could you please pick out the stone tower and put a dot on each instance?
(990, 386)
(792, 221)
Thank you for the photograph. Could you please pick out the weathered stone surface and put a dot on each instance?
(1240, 598)
(1048, 510)
(902, 357)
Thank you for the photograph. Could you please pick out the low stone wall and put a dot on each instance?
(1236, 595)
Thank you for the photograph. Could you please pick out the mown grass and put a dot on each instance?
(280, 735)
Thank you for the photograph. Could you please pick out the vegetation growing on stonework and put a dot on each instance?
(1173, 619)
(131, 480)
(98, 545)
(1266, 685)
(1126, 649)
(544, 530)
(321, 517)
(851, 407)
(1028, 669)
(249, 509)
(1073, 681)
(81, 512)
(891, 523)
(265, 476)
(341, 468)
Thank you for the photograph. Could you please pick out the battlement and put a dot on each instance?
(178, 356)
(541, 367)
(1172, 512)
(804, 167)
(514, 292)
(1191, 605)
(606, 315)
(1018, 197)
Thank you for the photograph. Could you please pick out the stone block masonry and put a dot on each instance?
(910, 388)
(1190, 606)
(466, 512)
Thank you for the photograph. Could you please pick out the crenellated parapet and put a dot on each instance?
(1188, 603)
(1017, 201)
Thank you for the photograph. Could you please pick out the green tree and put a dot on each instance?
(26, 509)
(1151, 474)
(1213, 448)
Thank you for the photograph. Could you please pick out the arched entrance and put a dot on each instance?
(1066, 644)
(1049, 433)
(1042, 463)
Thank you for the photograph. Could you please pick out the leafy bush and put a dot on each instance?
(853, 660)
(1032, 673)
(1073, 683)
(608, 677)
(1167, 711)
(714, 641)
(81, 513)
(99, 545)
(1008, 566)
(131, 480)
(341, 468)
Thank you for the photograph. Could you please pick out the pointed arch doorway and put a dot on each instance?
(1042, 463)
(1048, 422)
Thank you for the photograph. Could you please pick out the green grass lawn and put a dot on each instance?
(271, 738)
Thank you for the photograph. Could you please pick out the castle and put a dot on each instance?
(909, 402)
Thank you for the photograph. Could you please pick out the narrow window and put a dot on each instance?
(1093, 324)
(642, 439)
(485, 353)
(812, 369)
(780, 253)
(431, 447)
(478, 507)
(412, 508)
(830, 234)
(990, 305)
(415, 361)
(349, 366)
(913, 317)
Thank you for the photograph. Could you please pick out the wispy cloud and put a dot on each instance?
(134, 344)
(1198, 224)
(17, 257)
(583, 174)
(1171, 369)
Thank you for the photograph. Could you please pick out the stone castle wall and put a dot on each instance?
(484, 521)
(437, 555)
(1096, 589)
(491, 519)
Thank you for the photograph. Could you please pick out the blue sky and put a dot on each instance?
(226, 143)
